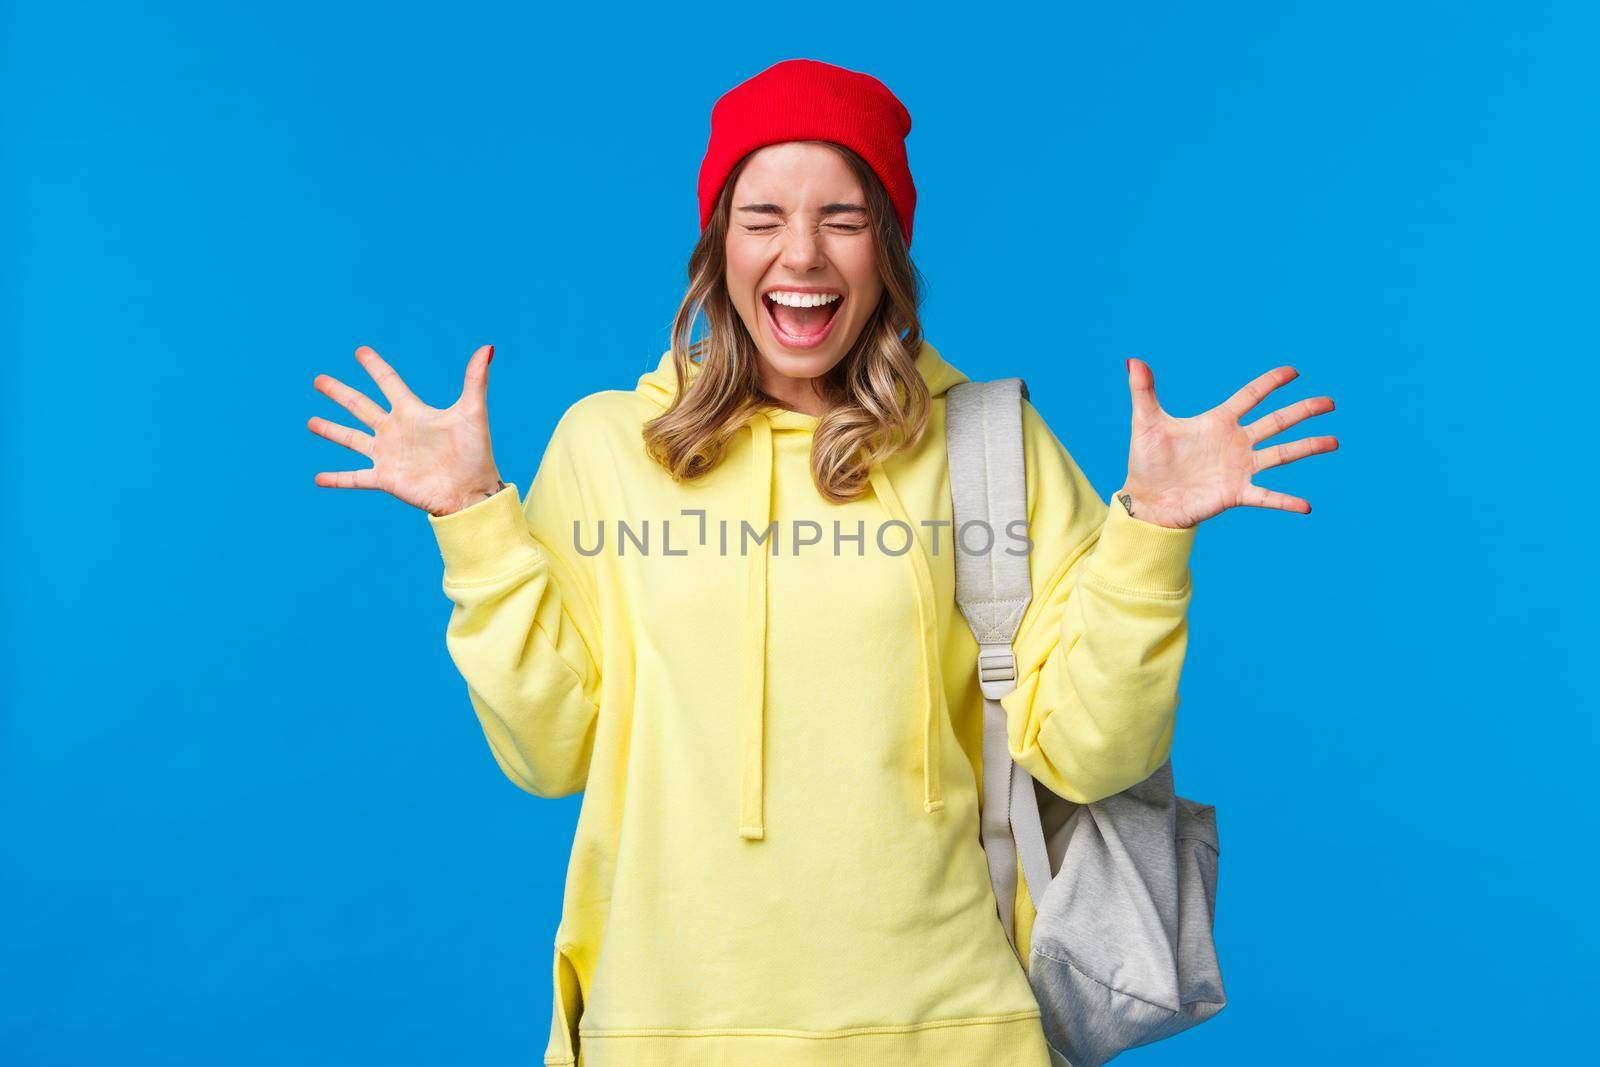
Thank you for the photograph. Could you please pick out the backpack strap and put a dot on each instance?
(988, 485)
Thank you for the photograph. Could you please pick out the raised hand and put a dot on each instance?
(436, 459)
(1183, 471)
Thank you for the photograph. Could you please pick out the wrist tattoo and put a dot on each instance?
(491, 492)
(1127, 502)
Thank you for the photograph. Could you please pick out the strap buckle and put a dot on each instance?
(997, 670)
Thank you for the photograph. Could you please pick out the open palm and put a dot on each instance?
(437, 459)
(1182, 471)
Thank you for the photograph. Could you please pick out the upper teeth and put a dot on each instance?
(802, 300)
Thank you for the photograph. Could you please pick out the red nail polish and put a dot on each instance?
(491, 356)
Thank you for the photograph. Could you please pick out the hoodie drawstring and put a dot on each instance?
(752, 825)
(933, 699)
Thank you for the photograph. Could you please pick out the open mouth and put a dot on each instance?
(800, 318)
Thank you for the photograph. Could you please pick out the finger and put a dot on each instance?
(387, 379)
(476, 386)
(343, 435)
(354, 401)
(1252, 394)
(1293, 450)
(1142, 387)
(1256, 497)
(1278, 421)
(367, 479)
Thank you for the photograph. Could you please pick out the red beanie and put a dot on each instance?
(807, 100)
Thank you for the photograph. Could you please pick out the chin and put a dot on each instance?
(811, 364)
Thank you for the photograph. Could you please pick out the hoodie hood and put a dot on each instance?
(659, 386)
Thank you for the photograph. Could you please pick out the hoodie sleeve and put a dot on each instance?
(1102, 643)
(523, 629)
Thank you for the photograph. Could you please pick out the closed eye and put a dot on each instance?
(840, 226)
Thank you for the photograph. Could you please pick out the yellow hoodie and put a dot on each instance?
(777, 861)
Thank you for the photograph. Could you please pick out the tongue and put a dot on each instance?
(803, 322)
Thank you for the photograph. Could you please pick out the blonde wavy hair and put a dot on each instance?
(878, 403)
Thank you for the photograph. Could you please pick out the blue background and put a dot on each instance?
(248, 816)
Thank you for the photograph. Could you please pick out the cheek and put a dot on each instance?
(744, 272)
(866, 294)
(860, 270)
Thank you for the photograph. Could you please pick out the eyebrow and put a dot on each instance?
(827, 209)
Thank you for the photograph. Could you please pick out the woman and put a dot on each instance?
(725, 612)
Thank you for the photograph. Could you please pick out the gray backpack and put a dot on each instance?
(1124, 888)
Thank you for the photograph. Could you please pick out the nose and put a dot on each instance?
(802, 251)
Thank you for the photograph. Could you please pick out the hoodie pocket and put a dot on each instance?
(567, 1009)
